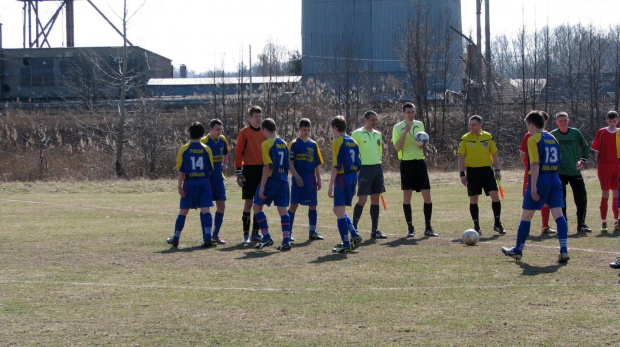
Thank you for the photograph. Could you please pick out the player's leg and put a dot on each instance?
(291, 214)
(178, 227)
(247, 208)
(474, 211)
(562, 226)
(614, 205)
(603, 178)
(218, 220)
(206, 222)
(312, 220)
(580, 196)
(359, 207)
(343, 229)
(408, 212)
(374, 217)
(428, 213)
(263, 225)
(522, 233)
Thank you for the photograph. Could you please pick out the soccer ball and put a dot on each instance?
(470, 237)
(421, 139)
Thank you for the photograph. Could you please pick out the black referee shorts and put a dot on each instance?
(479, 178)
(414, 175)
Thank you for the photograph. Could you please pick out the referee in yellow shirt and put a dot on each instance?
(413, 172)
(477, 153)
(370, 144)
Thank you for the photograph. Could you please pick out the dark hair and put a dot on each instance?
(268, 124)
(196, 131)
(612, 114)
(304, 123)
(476, 118)
(536, 118)
(408, 105)
(215, 122)
(254, 109)
(339, 123)
(370, 113)
(545, 115)
(561, 114)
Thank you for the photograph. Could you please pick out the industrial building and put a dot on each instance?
(72, 72)
(340, 36)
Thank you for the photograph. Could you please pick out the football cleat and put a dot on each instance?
(377, 235)
(246, 239)
(284, 247)
(513, 253)
(411, 232)
(499, 229)
(477, 229)
(315, 236)
(356, 241)
(429, 232)
(548, 230)
(206, 243)
(256, 238)
(604, 227)
(583, 229)
(342, 249)
(173, 241)
(264, 243)
(292, 238)
(563, 258)
(615, 264)
(217, 240)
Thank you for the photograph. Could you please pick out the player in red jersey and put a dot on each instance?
(604, 145)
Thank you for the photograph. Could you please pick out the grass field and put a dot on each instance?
(86, 264)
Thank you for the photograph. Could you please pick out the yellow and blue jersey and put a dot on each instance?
(195, 160)
(544, 149)
(219, 148)
(345, 154)
(275, 154)
(305, 155)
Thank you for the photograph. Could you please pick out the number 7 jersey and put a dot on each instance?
(275, 154)
(544, 149)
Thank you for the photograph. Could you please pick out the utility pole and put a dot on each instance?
(487, 50)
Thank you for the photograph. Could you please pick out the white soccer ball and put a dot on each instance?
(470, 237)
(421, 139)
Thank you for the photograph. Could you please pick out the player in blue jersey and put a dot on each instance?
(305, 161)
(544, 186)
(273, 186)
(343, 181)
(194, 164)
(219, 147)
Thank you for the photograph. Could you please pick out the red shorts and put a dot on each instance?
(608, 174)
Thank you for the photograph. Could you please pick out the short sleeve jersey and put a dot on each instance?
(345, 154)
(410, 150)
(219, 148)
(523, 149)
(275, 154)
(370, 144)
(606, 145)
(573, 147)
(305, 155)
(544, 149)
(477, 149)
(195, 160)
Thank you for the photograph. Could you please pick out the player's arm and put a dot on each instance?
(180, 179)
(495, 161)
(461, 163)
(298, 180)
(263, 181)
(400, 137)
(532, 151)
(241, 143)
(523, 157)
(332, 179)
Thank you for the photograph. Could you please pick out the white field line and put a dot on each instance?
(371, 289)
(510, 241)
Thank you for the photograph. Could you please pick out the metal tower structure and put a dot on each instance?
(36, 33)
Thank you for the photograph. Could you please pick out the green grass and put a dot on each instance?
(86, 264)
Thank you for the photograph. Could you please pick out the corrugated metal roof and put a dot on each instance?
(220, 80)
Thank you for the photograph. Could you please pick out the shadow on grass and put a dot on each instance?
(256, 254)
(608, 235)
(330, 257)
(490, 238)
(531, 270)
(307, 242)
(237, 247)
(401, 241)
(182, 250)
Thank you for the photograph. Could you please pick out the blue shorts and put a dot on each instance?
(218, 188)
(549, 188)
(344, 188)
(306, 195)
(275, 191)
(197, 194)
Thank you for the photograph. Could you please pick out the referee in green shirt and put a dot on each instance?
(413, 171)
(370, 179)
(573, 157)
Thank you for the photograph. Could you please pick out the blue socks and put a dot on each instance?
(286, 229)
(312, 218)
(343, 229)
(261, 218)
(562, 233)
(217, 224)
(178, 226)
(350, 226)
(206, 221)
(522, 233)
